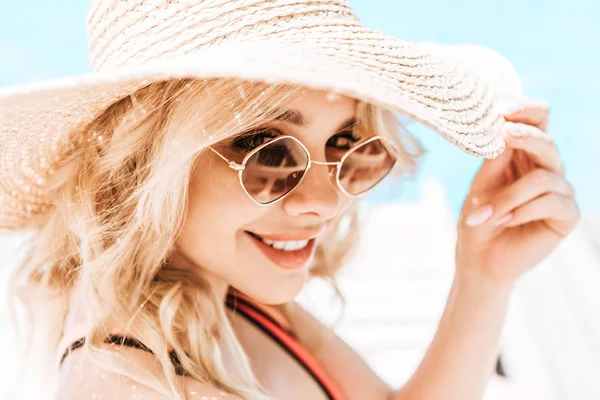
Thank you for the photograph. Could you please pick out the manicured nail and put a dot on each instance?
(504, 219)
(510, 108)
(514, 129)
(480, 215)
(511, 130)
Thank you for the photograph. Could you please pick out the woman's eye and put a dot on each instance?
(343, 141)
(249, 141)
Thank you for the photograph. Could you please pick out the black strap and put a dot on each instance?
(231, 304)
(128, 342)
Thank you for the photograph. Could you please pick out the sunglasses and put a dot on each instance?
(272, 170)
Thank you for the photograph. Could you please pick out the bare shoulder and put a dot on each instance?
(81, 379)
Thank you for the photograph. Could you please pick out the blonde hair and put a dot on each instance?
(120, 203)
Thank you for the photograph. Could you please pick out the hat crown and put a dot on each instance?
(124, 33)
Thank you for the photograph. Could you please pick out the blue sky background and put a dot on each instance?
(554, 45)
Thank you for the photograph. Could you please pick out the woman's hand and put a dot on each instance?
(519, 206)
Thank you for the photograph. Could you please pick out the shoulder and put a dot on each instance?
(81, 379)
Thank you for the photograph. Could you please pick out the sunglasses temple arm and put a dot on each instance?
(232, 164)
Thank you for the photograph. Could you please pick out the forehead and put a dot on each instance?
(315, 106)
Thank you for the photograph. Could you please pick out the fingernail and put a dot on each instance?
(480, 215)
(509, 108)
(514, 129)
(504, 219)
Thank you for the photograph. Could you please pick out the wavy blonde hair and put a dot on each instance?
(120, 203)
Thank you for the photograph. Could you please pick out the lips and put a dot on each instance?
(299, 234)
(254, 235)
(295, 259)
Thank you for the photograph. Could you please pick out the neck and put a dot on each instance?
(221, 287)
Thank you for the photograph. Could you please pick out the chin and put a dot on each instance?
(278, 293)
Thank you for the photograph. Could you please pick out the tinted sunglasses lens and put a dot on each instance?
(365, 167)
(274, 170)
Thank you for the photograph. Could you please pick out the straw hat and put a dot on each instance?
(454, 89)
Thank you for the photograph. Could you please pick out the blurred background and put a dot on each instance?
(397, 286)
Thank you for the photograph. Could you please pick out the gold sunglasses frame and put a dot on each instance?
(240, 167)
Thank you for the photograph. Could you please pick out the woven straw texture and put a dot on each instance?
(454, 89)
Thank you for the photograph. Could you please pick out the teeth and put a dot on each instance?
(290, 245)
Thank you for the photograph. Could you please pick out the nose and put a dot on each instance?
(317, 195)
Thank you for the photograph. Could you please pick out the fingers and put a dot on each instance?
(534, 112)
(534, 184)
(492, 172)
(551, 206)
(527, 120)
(536, 143)
(529, 168)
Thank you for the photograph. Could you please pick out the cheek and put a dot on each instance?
(217, 209)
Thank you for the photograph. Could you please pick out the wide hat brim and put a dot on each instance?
(454, 89)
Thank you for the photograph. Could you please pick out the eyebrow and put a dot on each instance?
(295, 117)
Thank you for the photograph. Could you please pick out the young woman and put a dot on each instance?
(180, 197)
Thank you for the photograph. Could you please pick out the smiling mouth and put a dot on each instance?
(291, 254)
(284, 245)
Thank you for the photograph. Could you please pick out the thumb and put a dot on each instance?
(492, 172)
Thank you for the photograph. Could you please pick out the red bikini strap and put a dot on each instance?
(295, 347)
